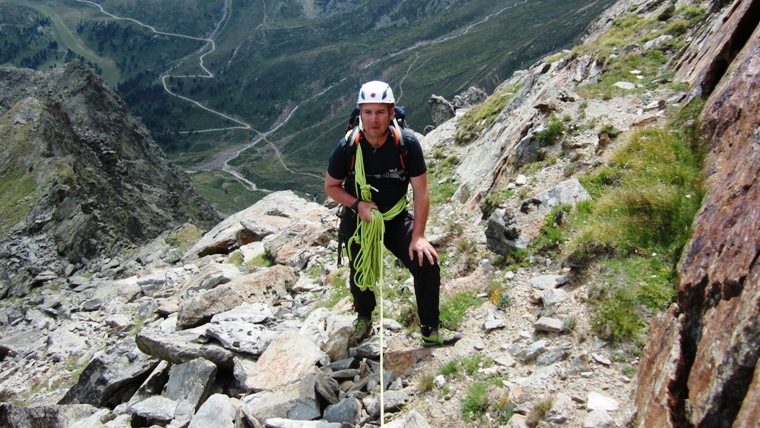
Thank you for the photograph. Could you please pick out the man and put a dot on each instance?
(388, 173)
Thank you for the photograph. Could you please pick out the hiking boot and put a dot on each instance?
(435, 336)
(362, 328)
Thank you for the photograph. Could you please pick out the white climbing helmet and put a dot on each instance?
(376, 92)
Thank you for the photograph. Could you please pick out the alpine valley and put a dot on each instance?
(262, 89)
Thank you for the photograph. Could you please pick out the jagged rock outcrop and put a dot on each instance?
(440, 109)
(700, 365)
(81, 177)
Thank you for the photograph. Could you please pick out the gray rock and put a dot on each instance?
(598, 419)
(276, 210)
(154, 410)
(494, 324)
(502, 232)
(345, 411)
(549, 325)
(191, 382)
(545, 282)
(332, 333)
(553, 297)
(562, 410)
(152, 284)
(288, 423)
(287, 359)
(296, 400)
(568, 192)
(180, 346)
(597, 401)
(551, 356)
(251, 288)
(286, 245)
(469, 98)
(530, 352)
(210, 276)
(412, 420)
(112, 376)
(218, 411)
(72, 416)
(440, 109)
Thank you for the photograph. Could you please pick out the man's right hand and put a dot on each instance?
(365, 211)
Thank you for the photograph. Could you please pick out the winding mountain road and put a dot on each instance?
(230, 155)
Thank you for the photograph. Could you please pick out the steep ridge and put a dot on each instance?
(81, 177)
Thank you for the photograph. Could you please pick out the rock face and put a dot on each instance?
(705, 349)
(74, 159)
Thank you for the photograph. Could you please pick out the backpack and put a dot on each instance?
(352, 136)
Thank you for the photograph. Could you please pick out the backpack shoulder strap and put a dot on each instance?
(398, 135)
(351, 141)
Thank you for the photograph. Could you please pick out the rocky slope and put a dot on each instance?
(81, 178)
(218, 338)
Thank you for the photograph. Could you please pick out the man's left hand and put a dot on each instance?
(421, 247)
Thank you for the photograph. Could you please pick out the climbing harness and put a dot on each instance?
(368, 261)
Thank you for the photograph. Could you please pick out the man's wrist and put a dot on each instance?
(355, 206)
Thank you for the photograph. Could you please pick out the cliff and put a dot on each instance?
(700, 365)
(81, 178)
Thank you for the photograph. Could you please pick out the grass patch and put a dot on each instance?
(185, 237)
(539, 411)
(441, 181)
(634, 288)
(613, 49)
(453, 308)
(647, 199)
(645, 202)
(17, 190)
(262, 260)
(476, 402)
(482, 116)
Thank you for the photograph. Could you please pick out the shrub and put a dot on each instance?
(475, 403)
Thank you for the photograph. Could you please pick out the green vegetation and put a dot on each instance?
(539, 411)
(262, 260)
(482, 116)
(228, 194)
(645, 200)
(486, 395)
(552, 133)
(494, 199)
(185, 237)
(16, 191)
(454, 307)
(465, 366)
(621, 61)
(266, 63)
(476, 402)
(441, 180)
(235, 258)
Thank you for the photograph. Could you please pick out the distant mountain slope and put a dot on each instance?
(289, 70)
(80, 176)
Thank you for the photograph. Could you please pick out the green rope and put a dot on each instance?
(368, 262)
(369, 259)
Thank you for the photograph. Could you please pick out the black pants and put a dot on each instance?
(427, 278)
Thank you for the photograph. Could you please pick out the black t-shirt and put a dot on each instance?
(382, 167)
